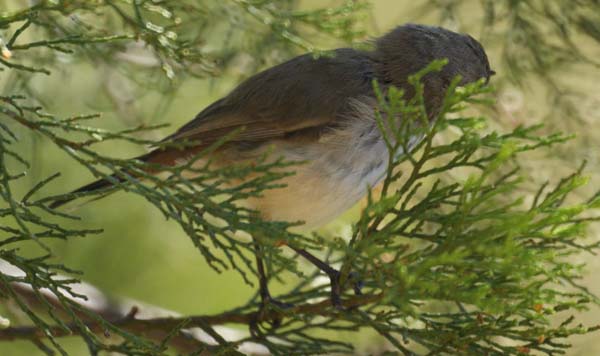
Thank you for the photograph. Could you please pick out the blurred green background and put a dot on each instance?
(141, 256)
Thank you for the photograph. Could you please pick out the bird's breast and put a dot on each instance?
(340, 167)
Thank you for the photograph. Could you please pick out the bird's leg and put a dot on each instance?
(334, 277)
(265, 296)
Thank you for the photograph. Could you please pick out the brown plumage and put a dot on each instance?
(320, 110)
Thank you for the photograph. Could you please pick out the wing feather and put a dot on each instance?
(305, 92)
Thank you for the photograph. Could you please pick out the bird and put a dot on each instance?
(321, 111)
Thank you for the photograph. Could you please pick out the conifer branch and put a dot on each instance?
(476, 265)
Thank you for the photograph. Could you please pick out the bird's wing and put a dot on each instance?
(305, 92)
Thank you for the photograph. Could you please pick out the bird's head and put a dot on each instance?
(409, 48)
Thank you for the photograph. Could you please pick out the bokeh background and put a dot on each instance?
(141, 256)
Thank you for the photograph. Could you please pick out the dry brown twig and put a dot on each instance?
(156, 323)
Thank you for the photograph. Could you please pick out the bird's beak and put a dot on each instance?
(490, 74)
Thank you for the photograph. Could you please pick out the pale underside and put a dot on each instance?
(340, 166)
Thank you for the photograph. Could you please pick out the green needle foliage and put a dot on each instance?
(470, 265)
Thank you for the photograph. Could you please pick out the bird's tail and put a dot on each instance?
(108, 181)
(91, 187)
(164, 157)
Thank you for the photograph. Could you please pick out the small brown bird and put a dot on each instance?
(321, 110)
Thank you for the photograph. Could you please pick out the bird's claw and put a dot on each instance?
(337, 288)
(267, 304)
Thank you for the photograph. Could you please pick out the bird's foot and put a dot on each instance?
(334, 277)
(337, 288)
(270, 311)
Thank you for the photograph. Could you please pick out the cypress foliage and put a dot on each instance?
(455, 253)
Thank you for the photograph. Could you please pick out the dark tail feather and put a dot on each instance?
(99, 184)
(164, 157)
